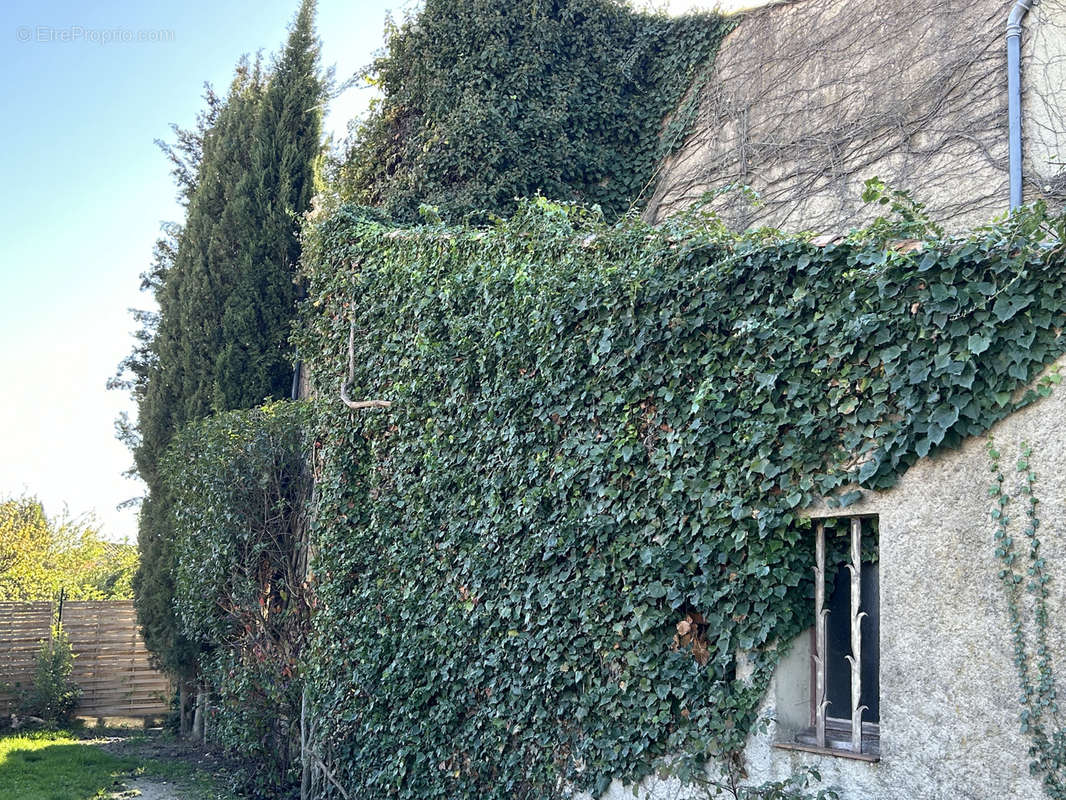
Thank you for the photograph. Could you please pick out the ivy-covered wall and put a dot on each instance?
(484, 102)
(598, 432)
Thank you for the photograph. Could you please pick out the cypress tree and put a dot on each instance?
(179, 381)
(225, 289)
(255, 361)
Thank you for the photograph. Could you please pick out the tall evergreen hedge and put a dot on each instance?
(226, 291)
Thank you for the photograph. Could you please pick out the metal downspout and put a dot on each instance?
(296, 380)
(1014, 97)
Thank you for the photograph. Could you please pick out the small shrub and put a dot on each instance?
(54, 696)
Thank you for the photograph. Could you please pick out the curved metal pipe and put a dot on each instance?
(1014, 97)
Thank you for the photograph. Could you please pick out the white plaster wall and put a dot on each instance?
(949, 708)
(1044, 96)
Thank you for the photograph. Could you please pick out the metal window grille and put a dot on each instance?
(854, 567)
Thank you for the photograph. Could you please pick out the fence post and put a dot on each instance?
(62, 597)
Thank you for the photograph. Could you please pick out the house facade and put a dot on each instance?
(807, 100)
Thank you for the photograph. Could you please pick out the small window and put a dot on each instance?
(845, 648)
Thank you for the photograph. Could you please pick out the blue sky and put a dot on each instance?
(85, 191)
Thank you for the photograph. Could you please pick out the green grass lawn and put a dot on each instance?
(65, 766)
(56, 766)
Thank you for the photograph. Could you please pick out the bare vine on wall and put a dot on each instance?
(1044, 57)
(809, 98)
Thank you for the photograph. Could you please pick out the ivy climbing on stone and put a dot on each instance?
(536, 568)
(1024, 574)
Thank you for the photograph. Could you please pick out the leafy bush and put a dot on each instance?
(53, 696)
(794, 787)
(39, 556)
(597, 431)
(241, 482)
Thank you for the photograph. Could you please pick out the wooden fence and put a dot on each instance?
(22, 627)
(110, 665)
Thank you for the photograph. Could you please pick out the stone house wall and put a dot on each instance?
(948, 687)
(809, 98)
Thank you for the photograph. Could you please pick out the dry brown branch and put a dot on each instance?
(329, 775)
(358, 404)
(345, 398)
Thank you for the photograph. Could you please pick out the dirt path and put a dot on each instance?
(144, 789)
(187, 771)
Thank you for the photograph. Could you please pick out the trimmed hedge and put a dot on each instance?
(599, 431)
(241, 485)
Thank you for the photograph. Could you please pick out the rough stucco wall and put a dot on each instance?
(809, 98)
(949, 710)
(1044, 97)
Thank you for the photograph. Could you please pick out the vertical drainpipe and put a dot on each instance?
(296, 380)
(1014, 97)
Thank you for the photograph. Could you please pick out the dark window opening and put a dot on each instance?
(838, 639)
